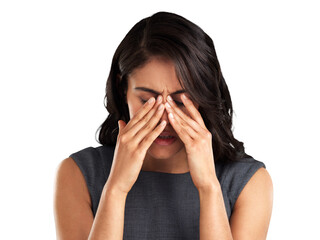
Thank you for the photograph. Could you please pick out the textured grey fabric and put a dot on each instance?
(162, 205)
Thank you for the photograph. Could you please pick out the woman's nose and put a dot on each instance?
(165, 113)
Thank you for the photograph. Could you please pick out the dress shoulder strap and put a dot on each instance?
(234, 176)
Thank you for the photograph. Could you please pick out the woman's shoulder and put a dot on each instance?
(226, 171)
(100, 155)
(94, 164)
(94, 161)
(239, 167)
(233, 176)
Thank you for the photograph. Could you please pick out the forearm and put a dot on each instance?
(109, 219)
(214, 223)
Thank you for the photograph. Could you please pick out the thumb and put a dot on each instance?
(121, 125)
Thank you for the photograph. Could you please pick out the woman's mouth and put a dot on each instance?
(165, 140)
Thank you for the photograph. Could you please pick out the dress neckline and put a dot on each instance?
(165, 173)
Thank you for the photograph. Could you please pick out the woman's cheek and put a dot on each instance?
(186, 112)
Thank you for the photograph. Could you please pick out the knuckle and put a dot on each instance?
(123, 139)
(184, 132)
(145, 119)
(202, 141)
(147, 138)
(183, 124)
(148, 127)
(147, 107)
(208, 135)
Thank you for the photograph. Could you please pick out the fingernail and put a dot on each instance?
(160, 107)
(159, 99)
(168, 105)
(169, 98)
(151, 100)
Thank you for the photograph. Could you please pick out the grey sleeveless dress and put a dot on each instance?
(162, 205)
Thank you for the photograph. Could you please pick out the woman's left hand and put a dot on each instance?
(197, 140)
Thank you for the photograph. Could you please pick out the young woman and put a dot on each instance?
(168, 166)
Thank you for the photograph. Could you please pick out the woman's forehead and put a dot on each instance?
(156, 86)
(154, 91)
(158, 75)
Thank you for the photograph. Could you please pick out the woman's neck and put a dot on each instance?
(177, 163)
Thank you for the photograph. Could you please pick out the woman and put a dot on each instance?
(167, 168)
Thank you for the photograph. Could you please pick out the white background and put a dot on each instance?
(55, 57)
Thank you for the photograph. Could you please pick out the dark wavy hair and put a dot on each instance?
(198, 70)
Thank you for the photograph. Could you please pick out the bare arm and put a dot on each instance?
(251, 213)
(109, 220)
(214, 224)
(72, 207)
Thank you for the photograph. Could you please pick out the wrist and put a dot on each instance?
(110, 190)
(213, 187)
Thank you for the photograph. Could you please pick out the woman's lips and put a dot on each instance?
(167, 133)
(164, 142)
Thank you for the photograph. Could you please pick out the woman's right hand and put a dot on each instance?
(133, 141)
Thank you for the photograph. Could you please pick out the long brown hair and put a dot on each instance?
(197, 68)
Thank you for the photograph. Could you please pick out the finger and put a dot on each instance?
(182, 128)
(149, 139)
(170, 105)
(141, 112)
(193, 111)
(145, 119)
(121, 125)
(149, 127)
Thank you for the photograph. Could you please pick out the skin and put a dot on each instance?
(171, 158)
(191, 152)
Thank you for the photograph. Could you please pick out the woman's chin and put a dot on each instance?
(164, 151)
